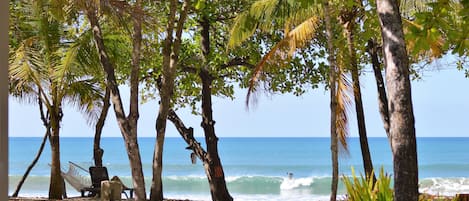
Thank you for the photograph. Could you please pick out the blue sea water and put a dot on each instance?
(255, 168)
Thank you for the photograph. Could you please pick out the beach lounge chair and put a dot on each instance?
(99, 174)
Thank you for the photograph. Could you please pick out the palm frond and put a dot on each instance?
(243, 28)
(26, 67)
(283, 51)
(86, 95)
(344, 102)
(268, 15)
(66, 65)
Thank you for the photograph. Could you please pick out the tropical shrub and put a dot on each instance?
(363, 189)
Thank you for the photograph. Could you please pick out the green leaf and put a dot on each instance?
(200, 5)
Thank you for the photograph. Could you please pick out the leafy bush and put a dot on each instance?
(362, 189)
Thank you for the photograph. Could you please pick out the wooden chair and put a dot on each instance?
(99, 174)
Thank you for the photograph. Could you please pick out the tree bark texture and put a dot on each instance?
(56, 185)
(401, 116)
(127, 127)
(97, 150)
(212, 162)
(348, 18)
(217, 186)
(213, 166)
(188, 135)
(333, 89)
(382, 97)
(171, 49)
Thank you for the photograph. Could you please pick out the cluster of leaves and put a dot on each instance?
(434, 29)
(48, 60)
(363, 189)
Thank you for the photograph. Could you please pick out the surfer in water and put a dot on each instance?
(290, 175)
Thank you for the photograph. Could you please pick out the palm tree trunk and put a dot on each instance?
(56, 190)
(348, 23)
(382, 97)
(333, 88)
(401, 116)
(97, 150)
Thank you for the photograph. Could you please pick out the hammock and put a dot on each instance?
(76, 176)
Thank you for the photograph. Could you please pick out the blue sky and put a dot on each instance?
(440, 99)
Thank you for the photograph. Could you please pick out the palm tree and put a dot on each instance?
(44, 66)
(303, 16)
(348, 17)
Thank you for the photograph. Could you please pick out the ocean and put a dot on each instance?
(255, 168)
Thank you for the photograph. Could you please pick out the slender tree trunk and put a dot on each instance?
(156, 192)
(333, 88)
(401, 116)
(217, 185)
(33, 163)
(130, 136)
(171, 49)
(188, 135)
(348, 21)
(97, 150)
(213, 167)
(56, 190)
(128, 126)
(382, 97)
(39, 152)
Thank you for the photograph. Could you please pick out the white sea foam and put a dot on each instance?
(283, 197)
(292, 183)
(444, 186)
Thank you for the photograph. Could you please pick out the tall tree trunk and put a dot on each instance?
(128, 126)
(131, 138)
(333, 89)
(56, 186)
(171, 49)
(348, 18)
(401, 116)
(213, 168)
(382, 97)
(97, 150)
